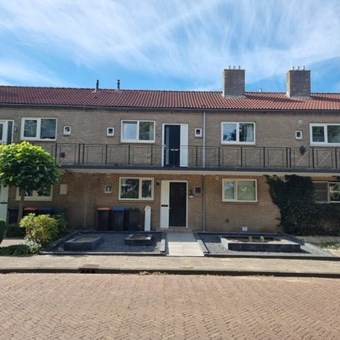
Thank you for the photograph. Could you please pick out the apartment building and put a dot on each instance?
(194, 159)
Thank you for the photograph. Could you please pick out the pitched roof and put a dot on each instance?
(149, 99)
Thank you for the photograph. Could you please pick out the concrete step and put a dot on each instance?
(183, 244)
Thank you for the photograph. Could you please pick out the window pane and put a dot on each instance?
(246, 191)
(246, 132)
(333, 133)
(334, 192)
(9, 132)
(229, 132)
(147, 189)
(129, 130)
(30, 128)
(1, 130)
(146, 131)
(229, 190)
(43, 192)
(318, 134)
(48, 127)
(29, 193)
(320, 192)
(129, 188)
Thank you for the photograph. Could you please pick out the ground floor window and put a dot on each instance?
(327, 192)
(240, 190)
(32, 195)
(136, 188)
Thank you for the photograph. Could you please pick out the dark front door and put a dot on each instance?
(172, 144)
(178, 204)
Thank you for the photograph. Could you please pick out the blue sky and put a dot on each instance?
(168, 44)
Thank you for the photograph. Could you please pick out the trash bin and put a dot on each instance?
(132, 219)
(59, 213)
(13, 215)
(117, 218)
(45, 211)
(103, 215)
(29, 210)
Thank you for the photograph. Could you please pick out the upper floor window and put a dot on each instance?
(38, 128)
(238, 133)
(326, 134)
(239, 190)
(138, 131)
(136, 188)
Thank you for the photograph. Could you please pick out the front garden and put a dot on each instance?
(38, 231)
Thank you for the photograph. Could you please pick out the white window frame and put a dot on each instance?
(137, 140)
(328, 191)
(8, 130)
(38, 135)
(238, 134)
(325, 126)
(236, 181)
(35, 197)
(139, 198)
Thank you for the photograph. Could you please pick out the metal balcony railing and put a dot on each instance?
(256, 158)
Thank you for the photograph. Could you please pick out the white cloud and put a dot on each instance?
(193, 39)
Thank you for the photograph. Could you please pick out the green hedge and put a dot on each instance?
(13, 231)
(299, 214)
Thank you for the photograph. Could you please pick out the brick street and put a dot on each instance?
(102, 306)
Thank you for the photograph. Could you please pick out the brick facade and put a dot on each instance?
(91, 159)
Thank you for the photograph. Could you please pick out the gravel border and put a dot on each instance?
(112, 244)
(212, 246)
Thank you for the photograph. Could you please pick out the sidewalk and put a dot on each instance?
(170, 264)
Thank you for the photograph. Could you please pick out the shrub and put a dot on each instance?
(19, 250)
(14, 230)
(2, 229)
(63, 229)
(41, 229)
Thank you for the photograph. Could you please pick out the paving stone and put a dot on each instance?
(96, 306)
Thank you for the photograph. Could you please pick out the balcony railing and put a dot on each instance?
(257, 158)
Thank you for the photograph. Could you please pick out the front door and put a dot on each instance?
(173, 204)
(175, 142)
(3, 202)
(172, 144)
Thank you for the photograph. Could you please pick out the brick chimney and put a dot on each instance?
(298, 83)
(233, 82)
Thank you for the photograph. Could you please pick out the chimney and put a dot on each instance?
(118, 84)
(298, 83)
(97, 86)
(233, 82)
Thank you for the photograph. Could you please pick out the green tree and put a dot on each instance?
(27, 167)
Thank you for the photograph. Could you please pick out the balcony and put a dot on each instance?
(217, 158)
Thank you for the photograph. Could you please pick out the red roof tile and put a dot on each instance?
(144, 99)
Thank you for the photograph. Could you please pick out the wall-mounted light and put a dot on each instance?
(108, 189)
(67, 130)
(191, 194)
(110, 132)
(298, 134)
(198, 132)
(302, 150)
